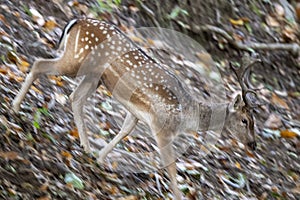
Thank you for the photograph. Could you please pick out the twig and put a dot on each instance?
(294, 48)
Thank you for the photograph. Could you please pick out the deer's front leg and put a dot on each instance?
(79, 97)
(128, 125)
(168, 159)
(40, 67)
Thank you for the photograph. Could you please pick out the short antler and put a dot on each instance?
(243, 73)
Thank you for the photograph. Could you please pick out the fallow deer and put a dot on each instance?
(101, 53)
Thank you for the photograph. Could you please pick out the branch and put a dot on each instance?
(294, 48)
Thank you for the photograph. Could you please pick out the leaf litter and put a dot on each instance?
(40, 156)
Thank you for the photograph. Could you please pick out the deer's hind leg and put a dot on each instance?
(79, 97)
(128, 125)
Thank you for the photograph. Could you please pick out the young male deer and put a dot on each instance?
(102, 54)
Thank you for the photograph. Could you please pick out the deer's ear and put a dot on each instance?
(236, 104)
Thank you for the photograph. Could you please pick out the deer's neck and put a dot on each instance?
(200, 116)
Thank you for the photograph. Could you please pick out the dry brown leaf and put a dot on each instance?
(13, 76)
(74, 133)
(105, 126)
(50, 24)
(237, 22)
(238, 165)
(74, 3)
(12, 57)
(67, 155)
(23, 65)
(10, 155)
(288, 134)
(12, 192)
(133, 9)
(289, 34)
(3, 69)
(58, 81)
(3, 20)
(36, 90)
(114, 165)
(279, 102)
(250, 154)
(113, 190)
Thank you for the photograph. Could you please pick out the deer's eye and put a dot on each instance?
(244, 121)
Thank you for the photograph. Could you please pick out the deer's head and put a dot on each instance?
(240, 121)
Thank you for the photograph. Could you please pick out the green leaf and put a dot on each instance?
(248, 27)
(72, 179)
(27, 10)
(36, 124)
(29, 137)
(49, 137)
(175, 12)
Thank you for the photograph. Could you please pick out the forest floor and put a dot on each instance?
(40, 155)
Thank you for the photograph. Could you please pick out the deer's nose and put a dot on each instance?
(252, 145)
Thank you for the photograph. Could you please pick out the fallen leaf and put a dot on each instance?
(289, 34)
(13, 76)
(12, 57)
(134, 9)
(287, 134)
(3, 69)
(10, 155)
(12, 192)
(44, 187)
(23, 65)
(279, 102)
(237, 165)
(74, 133)
(67, 155)
(50, 24)
(271, 21)
(36, 90)
(237, 22)
(75, 181)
